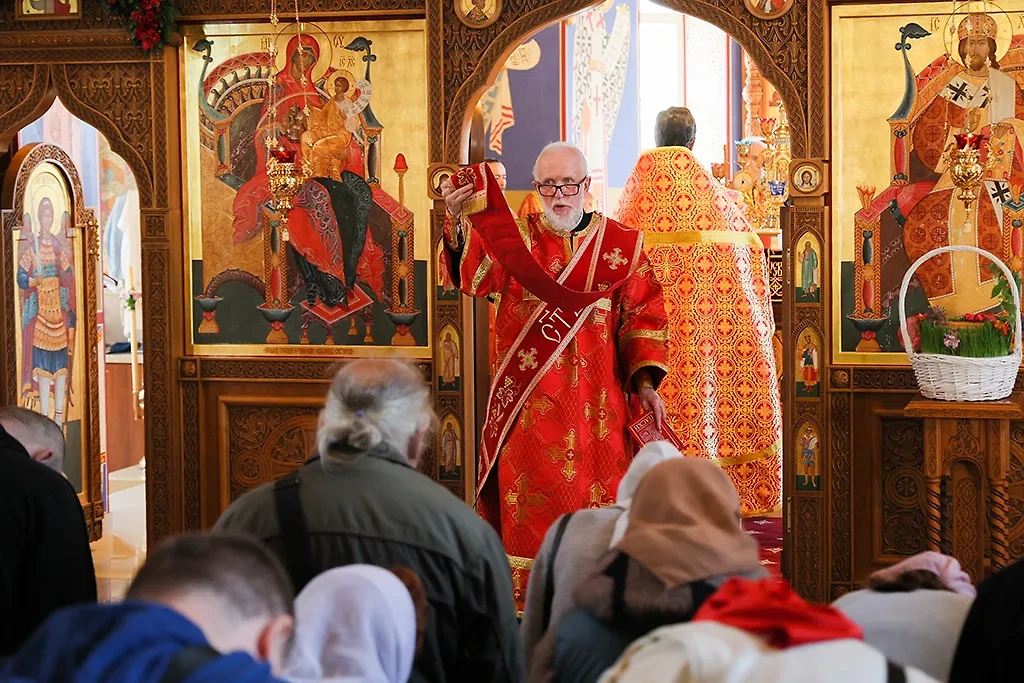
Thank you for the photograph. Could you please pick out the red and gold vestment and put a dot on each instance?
(555, 439)
(721, 394)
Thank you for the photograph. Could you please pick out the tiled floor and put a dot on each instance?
(122, 550)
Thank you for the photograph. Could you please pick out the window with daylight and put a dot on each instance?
(687, 62)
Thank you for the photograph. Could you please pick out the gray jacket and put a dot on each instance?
(584, 541)
(378, 510)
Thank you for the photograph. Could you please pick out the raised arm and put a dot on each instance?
(464, 260)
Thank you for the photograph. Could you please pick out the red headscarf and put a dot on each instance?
(307, 41)
(772, 610)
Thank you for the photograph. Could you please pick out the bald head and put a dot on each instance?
(675, 127)
(41, 436)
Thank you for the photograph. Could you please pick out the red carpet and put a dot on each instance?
(767, 531)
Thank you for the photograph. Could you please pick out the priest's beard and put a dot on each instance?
(567, 224)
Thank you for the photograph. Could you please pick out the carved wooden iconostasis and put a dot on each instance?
(233, 387)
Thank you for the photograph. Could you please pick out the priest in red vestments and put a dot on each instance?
(722, 397)
(580, 325)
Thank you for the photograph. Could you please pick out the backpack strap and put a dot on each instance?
(894, 673)
(294, 534)
(187, 661)
(617, 571)
(549, 586)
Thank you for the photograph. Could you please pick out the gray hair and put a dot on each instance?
(560, 145)
(675, 127)
(34, 430)
(373, 402)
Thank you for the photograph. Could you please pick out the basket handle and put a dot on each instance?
(907, 344)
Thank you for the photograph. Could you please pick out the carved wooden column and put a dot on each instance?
(967, 449)
(753, 97)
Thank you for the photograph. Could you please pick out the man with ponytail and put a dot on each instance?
(362, 500)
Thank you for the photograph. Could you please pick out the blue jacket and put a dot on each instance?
(128, 642)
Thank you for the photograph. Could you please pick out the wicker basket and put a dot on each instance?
(959, 378)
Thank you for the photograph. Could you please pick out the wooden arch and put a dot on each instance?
(790, 51)
(107, 83)
(764, 46)
(12, 208)
(50, 81)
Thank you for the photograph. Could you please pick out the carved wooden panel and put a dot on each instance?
(1015, 515)
(93, 17)
(265, 442)
(191, 420)
(888, 518)
(896, 379)
(808, 528)
(162, 460)
(839, 492)
(248, 421)
(968, 517)
(903, 520)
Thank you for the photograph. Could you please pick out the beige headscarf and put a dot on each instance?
(685, 524)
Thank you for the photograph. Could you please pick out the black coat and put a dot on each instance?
(45, 560)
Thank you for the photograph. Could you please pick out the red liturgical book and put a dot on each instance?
(475, 176)
(645, 430)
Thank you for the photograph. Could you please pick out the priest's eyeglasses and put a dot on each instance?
(567, 190)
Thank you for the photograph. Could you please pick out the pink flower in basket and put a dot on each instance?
(951, 340)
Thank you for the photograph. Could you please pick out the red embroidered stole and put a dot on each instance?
(496, 225)
(604, 260)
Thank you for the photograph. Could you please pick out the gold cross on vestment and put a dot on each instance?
(524, 307)
(527, 359)
(598, 414)
(598, 496)
(517, 584)
(567, 455)
(614, 259)
(542, 405)
(574, 361)
(520, 498)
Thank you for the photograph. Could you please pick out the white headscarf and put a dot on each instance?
(651, 454)
(354, 623)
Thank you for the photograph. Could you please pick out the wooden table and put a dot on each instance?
(967, 445)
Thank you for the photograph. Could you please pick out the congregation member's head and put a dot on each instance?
(41, 436)
(364, 500)
(913, 611)
(675, 127)
(924, 571)
(354, 623)
(688, 503)
(561, 178)
(379, 407)
(498, 169)
(230, 586)
(651, 455)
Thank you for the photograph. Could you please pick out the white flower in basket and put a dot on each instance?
(963, 378)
